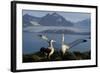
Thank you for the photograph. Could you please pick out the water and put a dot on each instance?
(32, 43)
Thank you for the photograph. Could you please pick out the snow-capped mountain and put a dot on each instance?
(84, 23)
(29, 20)
(53, 19)
(50, 24)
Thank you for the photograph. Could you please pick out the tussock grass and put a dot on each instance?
(57, 56)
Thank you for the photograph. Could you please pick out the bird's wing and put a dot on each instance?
(48, 50)
(44, 37)
(76, 42)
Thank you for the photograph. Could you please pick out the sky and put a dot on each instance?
(72, 16)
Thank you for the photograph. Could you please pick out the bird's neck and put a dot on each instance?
(62, 38)
(51, 45)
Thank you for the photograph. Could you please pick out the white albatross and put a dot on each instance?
(66, 47)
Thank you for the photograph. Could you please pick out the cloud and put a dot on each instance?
(43, 28)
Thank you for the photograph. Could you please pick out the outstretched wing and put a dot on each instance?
(44, 37)
(76, 42)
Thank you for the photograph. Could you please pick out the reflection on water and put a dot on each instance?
(32, 43)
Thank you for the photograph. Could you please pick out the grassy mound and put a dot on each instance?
(57, 56)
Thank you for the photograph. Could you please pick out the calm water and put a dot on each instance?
(33, 43)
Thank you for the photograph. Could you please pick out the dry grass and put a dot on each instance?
(40, 57)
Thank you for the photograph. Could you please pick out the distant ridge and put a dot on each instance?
(53, 19)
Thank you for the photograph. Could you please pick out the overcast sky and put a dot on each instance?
(72, 16)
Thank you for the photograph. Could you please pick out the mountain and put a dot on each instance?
(84, 23)
(54, 19)
(28, 20)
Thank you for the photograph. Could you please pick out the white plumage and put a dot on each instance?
(44, 37)
(50, 49)
(66, 47)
